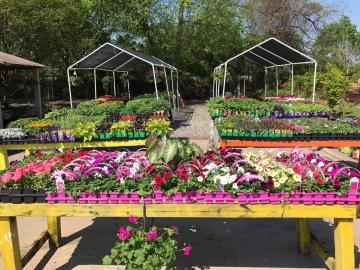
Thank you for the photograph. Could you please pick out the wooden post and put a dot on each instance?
(36, 77)
(344, 243)
(4, 162)
(54, 229)
(10, 248)
(303, 235)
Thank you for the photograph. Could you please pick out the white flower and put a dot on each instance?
(136, 166)
(132, 170)
(97, 175)
(235, 186)
(223, 180)
(276, 184)
(232, 178)
(240, 170)
(354, 180)
(330, 169)
(321, 164)
(313, 161)
(122, 180)
(76, 169)
(310, 174)
(200, 179)
(106, 169)
(225, 169)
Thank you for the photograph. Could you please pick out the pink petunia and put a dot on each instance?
(151, 235)
(187, 250)
(132, 219)
(123, 233)
(6, 177)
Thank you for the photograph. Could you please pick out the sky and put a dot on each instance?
(350, 8)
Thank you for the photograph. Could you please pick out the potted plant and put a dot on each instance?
(86, 131)
(120, 129)
(141, 247)
(105, 81)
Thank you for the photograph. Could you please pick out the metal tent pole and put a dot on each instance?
(244, 86)
(177, 89)
(167, 85)
(69, 85)
(172, 88)
(314, 85)
(292, 79)
(224, 79)
(95, 83)
(156, 90)
(277, 82)
(265, 81)
(114, 83)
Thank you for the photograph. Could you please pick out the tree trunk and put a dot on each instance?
(180, 30)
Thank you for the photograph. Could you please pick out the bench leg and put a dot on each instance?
(4, 161)
(54, 229)
(303, 235)
(344, 244)
(10, 248)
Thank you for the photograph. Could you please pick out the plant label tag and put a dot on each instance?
(60, 184)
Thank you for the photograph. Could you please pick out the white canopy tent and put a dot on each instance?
(112, 58)
(271, 53)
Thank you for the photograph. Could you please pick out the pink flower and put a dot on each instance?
(151, 235)
(123, 233)
(187, 250)
(6, 177)
(337, 183)
(174, 227)
(132, 219)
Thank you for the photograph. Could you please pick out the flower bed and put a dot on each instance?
(249, 128)
(106, 118)
(220, 107)
(229, 176)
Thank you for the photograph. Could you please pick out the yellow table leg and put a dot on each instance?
(303, 235)
(9, 244)
(54, 229)
(4, 162)
(344, 244)
(27, 152)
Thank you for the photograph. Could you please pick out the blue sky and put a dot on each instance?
(350, 8)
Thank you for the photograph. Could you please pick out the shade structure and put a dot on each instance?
(269, 54)
(9, 61)
(12, 61)
(112, 58)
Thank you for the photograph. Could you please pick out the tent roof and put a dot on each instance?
(12, 61)
(109, 57)
(272, 52)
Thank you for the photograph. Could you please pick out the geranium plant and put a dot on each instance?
(147, 248)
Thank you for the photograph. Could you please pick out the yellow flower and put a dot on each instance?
(297, 178)
(276, 184)
(283, 179)
(259, 168)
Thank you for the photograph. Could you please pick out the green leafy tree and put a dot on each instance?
(334, 84)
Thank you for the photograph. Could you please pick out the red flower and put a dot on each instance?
(166, 176)
(82, 153)
(158, 180)
(319, 181)
(39, 154)
(337, 183)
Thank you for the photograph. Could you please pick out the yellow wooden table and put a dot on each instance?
(343, 215)
(4, 163)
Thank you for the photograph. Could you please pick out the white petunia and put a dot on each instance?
(200, 179)
(235, 186)
(240, 170)
(321, 164)
(297, 178)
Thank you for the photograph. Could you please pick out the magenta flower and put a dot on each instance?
(337, 183)
(174, 227)
(187, 250)
(151, 235)
(132, 219)
(123, 233)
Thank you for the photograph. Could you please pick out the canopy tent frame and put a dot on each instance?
(270, 58)
(121, 68)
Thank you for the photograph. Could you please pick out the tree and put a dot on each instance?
(333, 84)
(339, 42)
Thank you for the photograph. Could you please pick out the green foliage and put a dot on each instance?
(334, 84)
(158, 127)
(85, 131)
(22, 123)
(121, 126)
(171, 150)
(57, 113)
(147, 105)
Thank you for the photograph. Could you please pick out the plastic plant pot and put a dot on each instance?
(295, 198)
(15, 195)
(329, 197)
(134, 197)
(308, 197)
(199, 198)
(159, 196)
(103, 198)
(242, 198)
(61, 197)
(219, 197)
(229, 199)
(92, 198)
(28, 194)
(318, 198)
(83, 197)
(189, 196)
(209, 197)
(264, 197)
(275, 198)
(114, 197)
(147, 199)
(124, 198)
(50, 198)
(102, 136)
(178, 198)
(341, 198)
(131, 134)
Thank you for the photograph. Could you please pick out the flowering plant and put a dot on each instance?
(148, 248)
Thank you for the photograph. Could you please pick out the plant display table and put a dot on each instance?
(50, 146)
(289, 143)
(343, 228)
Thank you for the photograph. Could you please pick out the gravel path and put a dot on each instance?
(192, 122)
